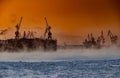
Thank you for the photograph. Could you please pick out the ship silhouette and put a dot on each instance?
(28, 41)
(91, 42)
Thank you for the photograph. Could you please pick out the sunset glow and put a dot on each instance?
(68, 18)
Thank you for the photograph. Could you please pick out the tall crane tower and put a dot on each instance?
(17, 33)
(113, 38)
(47, 30)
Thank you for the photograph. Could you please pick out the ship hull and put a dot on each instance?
(28, 44)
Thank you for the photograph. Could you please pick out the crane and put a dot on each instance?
(3, 31)
(47, 30)
(102, 37)
(18, 25)
(17, 29)
(113, 38)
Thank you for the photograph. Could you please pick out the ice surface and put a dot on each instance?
(61, 69)
(90, 63)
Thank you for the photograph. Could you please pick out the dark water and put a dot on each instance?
(61, 69)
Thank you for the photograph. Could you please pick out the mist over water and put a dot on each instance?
(61, 55)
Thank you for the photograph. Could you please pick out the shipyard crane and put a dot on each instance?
(102, 37)
(47, 30)
(17, 34)
(100, 40)
(113, 38)
(3, 31)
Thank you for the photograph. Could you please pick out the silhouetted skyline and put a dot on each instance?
(67, 17)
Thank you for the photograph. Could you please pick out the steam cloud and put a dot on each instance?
(62, 55)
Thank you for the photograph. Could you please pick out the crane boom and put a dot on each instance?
(46, 29)
(20, 22)
(46, 22)
(110, 33)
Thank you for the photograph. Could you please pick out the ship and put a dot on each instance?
(28, 42)
(91, 42)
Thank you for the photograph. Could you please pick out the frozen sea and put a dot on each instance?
(103, 63)
(61, 69)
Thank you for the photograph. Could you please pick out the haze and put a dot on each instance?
(62, 55)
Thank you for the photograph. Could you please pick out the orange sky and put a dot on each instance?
(68, 18)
